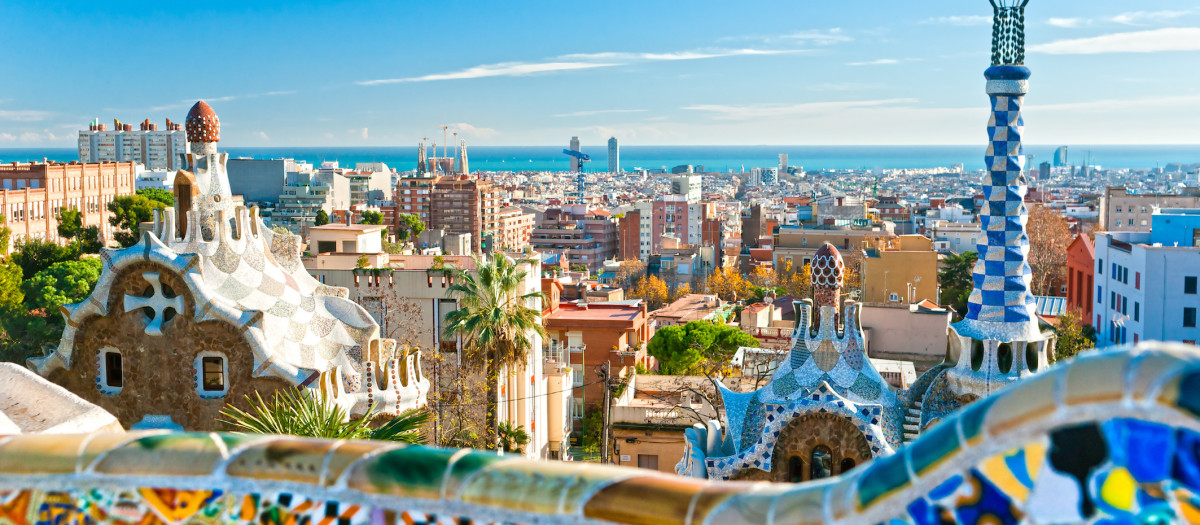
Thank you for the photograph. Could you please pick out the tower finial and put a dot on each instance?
(1008, 32)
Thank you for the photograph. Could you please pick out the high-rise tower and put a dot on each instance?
(614, 156)
(1000, 339)
(576, 162)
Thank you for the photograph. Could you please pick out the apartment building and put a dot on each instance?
(461, 204)
(1148, 283)
(797, 246)
(1081, 265)
(667, 216)
(34, 193)
(413, 196)
(1121, 211)
(514, 229)
(901, 270)
(585, 238)
(155, 149)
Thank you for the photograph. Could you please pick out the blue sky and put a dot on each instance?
(368, 73)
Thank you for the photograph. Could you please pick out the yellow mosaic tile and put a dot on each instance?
(178, 454)
(1017, 406)
(1096, 378)
(346, 453)
(736, 503)
(802, 506)
(40, 453)
(662, 500)
(1151, 367)
(283, 459)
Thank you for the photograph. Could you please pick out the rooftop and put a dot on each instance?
(364, 228)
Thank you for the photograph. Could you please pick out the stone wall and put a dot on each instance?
(159, 373)
(803, 435)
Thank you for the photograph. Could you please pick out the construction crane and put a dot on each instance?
(579, 157)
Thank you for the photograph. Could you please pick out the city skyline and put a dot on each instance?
(1107, 73)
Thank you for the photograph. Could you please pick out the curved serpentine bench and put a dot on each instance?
(1110, 434)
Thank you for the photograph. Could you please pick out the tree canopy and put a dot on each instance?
(1049, 237)
(1073, 336)
(35, 255)
(650, 289)
(65, 282)
(128, 211)
(83, 239)
(698, 347)
(322, 218)
(728, 284)
(955, 280)
(158, 194)
(410, 226)
(372, 217)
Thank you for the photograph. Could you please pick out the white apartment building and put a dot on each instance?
(155, 149)
(956, 237)
(687, 185)
(1148, 283)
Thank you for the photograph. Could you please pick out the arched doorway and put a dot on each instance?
(818, 445)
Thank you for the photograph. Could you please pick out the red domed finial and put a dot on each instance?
(202, 124)
(828, 269)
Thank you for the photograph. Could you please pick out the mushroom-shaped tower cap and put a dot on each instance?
(827, 268)
(202, 124)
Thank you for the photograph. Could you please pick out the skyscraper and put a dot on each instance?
(783, 163)
(1060, 157)
(576, 162)
(614, 156)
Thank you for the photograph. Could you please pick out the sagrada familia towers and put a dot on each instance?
(211, 305)
(827, 409)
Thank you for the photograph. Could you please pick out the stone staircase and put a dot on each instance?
(912, 422)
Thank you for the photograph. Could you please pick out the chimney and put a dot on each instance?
(349, 216)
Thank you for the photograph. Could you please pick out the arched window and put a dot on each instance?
(822, 462)
(1004, 357)
(846, 465)
(976, 354)
(795, 469)
(1031, 357)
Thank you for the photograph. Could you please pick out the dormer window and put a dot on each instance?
(212, 374)
(111, 371)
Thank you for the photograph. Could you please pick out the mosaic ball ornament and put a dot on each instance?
(202, 124)
(828, 269)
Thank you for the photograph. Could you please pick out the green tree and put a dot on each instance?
(362, 262)
(372, 217)
(496, 320)
(304, 413)
(128, 211)
(65, 282)
(513, 438)
(698, 347)
(954, 279)
(322, 218)
(1072, 336)
(70, 226)
(5, 236)
(410, 227)
(158, 195)
(35, 255)
(579, 268)
(70, 221)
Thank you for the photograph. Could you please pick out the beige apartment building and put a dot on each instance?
(900, 270)
(585, 239)
(32, 194)
(461, 204)
(1121, 211)
(797, 246)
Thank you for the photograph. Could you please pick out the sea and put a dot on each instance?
(712, 158)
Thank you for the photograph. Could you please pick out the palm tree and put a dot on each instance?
(512, 437)
(495, 320)
(300, 413)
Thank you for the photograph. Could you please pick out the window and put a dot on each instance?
(795, 469)
(1100, 267)
(1137, 280)
(893, 297)
(212, 374)
(648, 461)
(213, 370)
(1189, 317)
(846, 465)
(1189, 284)
(1137, 311)
(1099, 294)
(112, 371)
(822, 463)
(326, 246)
(576, 409)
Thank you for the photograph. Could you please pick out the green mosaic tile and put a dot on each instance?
(936, 444)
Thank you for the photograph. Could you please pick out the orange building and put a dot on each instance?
(587, 335)
(32, 194)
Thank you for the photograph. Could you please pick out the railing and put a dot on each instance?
(1129, 418)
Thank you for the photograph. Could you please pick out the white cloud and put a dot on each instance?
(23, 115)
(573, 62)
(7, 137)
(879, 62)
(467, 130)
(818, 37)
(1122, 105)
(1147, 17)
(261, 135)
(598, 112)
(760, 111)
(1152, 41)
(841, 86)
(1067, 22)
(960, 20)
(188, 102)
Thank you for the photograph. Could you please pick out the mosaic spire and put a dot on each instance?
(1001, 305)
(827, 272)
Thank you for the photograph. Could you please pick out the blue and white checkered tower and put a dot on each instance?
(1000, 339)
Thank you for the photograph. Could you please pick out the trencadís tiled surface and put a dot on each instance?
(1109, 436)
